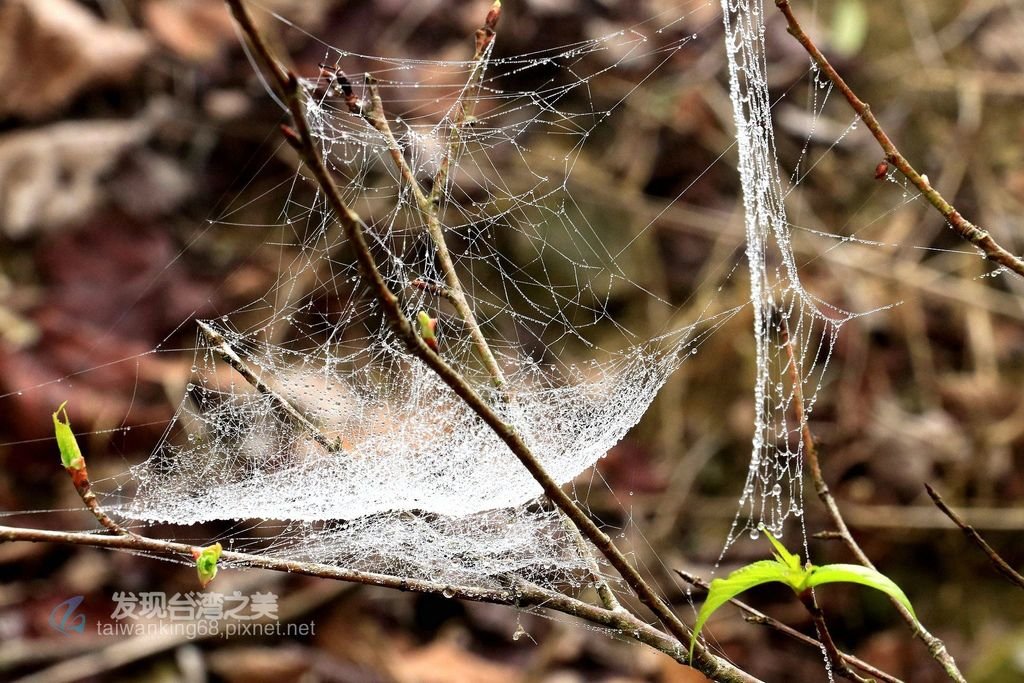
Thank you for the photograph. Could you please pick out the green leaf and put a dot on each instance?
(744, 578)
(854, 573)
(206, 563)
(782, 555)
(70, 453)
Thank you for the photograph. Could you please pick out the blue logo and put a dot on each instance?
(64, 619)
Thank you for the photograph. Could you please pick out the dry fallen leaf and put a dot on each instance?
(53, 175)
(55, 49)
(196, 30)
(443, 661)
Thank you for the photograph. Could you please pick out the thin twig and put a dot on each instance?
(936, 647)
(287, 411)
(979, 237)
(756, 616)
(354, 228)
(521, 594)
(429, 211)
(80, 478)
(604, 591)
(810, 602)
(462, 112)
(1000, 564)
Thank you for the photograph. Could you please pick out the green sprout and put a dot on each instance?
(206, 562)
(786, 568)
(70, 453)
(427, 329)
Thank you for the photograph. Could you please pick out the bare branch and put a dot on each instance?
(520, 594)
(1000, 564)
(287, 411)
(979, 237)
(354, 228)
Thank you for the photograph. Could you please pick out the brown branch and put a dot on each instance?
(521, 594)
(1000, 564)
(977, 236)
(285, 409)
(354, 229)
(435, 288)
(756, 616)
(831, 650)
(429, 211)
(467, 101)
(936, 647)
(80, 478)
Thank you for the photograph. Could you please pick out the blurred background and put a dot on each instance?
(126, 126)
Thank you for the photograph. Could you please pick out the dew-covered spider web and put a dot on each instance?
(389, 470)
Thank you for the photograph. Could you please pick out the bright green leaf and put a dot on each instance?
(854, 573)
(206, 563)
(785, 568)
(744, 578)
(782, 555)
(70, 453)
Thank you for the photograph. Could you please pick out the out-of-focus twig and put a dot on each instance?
(979, 237)
(1000, 564)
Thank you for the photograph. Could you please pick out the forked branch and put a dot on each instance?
(302, 140)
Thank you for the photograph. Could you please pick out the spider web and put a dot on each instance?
(412, 483)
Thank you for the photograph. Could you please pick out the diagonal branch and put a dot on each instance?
(281, 404)
(810, 602)
(462, 113)
(1000, 564)
(979, 237)
(302, 140)
(428, 209)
